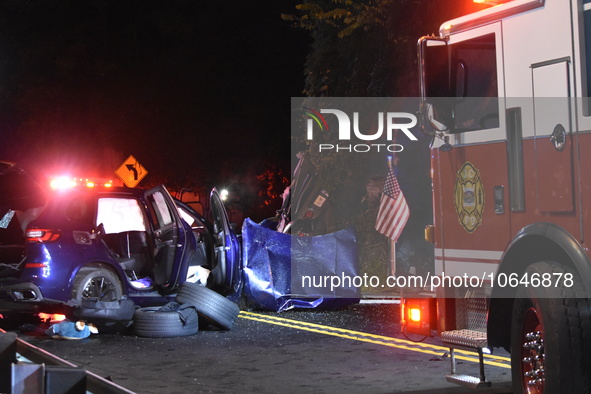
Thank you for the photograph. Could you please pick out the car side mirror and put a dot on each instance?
(98, 232)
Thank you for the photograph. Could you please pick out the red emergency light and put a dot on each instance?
(418, 315)
(65, 182)
(62, 183)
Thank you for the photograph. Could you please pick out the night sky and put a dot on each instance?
(197, 91)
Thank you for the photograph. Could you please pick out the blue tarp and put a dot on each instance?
(282, 271)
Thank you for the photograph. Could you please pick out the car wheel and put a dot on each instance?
(96, 283)
(547, 334)
(154, 322)
(210, 305)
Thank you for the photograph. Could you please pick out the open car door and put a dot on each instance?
(167, 234)
(226, 270)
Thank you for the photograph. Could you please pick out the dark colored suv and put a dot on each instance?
(60, 248)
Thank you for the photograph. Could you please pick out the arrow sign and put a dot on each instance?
(131, 172)
(131, 167)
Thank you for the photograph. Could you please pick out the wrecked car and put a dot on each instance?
(62, 248)
(284, 258)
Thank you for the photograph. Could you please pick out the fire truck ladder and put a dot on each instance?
(468, 340)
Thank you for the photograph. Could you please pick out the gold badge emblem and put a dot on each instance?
(469, 197)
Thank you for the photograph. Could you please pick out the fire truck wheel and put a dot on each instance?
(547, 334)
(213, 307)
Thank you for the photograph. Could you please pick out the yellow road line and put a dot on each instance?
(372, 338)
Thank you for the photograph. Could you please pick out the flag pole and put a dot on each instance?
(392, 243)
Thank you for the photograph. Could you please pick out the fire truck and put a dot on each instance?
(505, 96)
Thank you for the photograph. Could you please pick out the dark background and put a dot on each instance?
(193, 89)
(197, 91)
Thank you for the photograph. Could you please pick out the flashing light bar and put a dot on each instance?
(64, 183)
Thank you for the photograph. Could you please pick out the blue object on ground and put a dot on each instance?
(282, 271)
(71, 330)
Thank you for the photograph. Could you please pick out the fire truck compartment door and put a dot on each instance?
(553, 145)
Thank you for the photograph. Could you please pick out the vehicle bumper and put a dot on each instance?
(24, 297)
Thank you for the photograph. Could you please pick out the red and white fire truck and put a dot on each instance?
(505, 95)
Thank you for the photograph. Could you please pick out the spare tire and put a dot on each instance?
(213, 307)
(168, 321)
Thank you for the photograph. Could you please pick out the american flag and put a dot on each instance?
(393, 213)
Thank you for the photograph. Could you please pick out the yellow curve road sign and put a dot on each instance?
(131, 172)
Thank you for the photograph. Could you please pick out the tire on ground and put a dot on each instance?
(152, 322)
(561, 315)
(213, 307)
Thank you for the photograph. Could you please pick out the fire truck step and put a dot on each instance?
(467, 381)
(470, 340)
(465, 339)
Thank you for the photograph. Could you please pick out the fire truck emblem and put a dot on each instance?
(469, 197)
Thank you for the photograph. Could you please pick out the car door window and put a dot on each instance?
(203, 240)
(190, 218)
(120, 214)
(197, 226)
(160, 210)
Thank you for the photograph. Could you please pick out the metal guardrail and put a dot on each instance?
(94, 383)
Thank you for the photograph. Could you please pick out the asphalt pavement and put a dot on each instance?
(356, 350)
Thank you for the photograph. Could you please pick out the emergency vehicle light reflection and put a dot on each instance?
(51, 317)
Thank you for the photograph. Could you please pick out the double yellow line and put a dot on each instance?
(503, 362)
